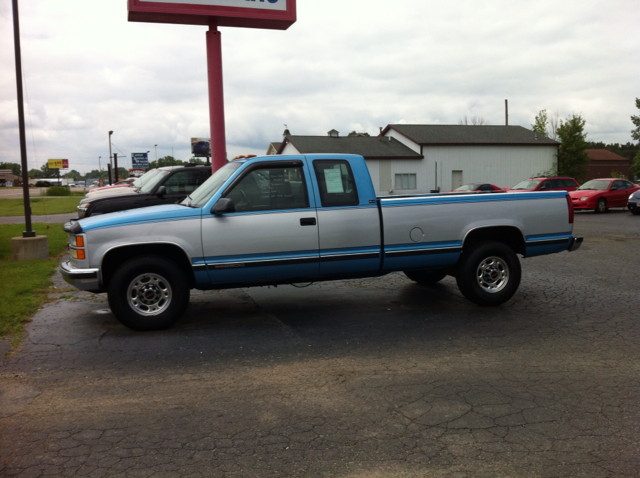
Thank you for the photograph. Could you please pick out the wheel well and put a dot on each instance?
(511, 236)
(168, 252)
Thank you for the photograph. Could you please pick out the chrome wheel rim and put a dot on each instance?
(149, 294)
(492, 274)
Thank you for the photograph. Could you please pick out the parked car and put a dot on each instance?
(633, 203)
(601, 194)
(167, 186)
(128, 188)
(122, 183)
(556, 183)
(478, 187)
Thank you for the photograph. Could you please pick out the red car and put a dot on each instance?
(123, 183)
(601, 194)
(556, 183)
(477, 187)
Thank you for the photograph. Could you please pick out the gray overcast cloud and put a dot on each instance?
(345, 64)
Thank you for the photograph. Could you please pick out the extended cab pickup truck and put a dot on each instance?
(292, 219)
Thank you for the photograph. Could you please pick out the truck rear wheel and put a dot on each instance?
(148, 293)
(426, 277)
(488, 274)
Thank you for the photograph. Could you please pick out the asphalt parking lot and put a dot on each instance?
(365, 378)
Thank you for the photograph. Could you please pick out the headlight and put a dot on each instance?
(584, 198)
(82, 210)
(631, 196)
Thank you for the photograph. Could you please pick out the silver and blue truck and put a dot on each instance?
(296, 219)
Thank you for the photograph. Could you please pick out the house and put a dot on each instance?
(605, 164)
(410, 159)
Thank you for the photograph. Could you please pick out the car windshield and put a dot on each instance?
(467, 187)
(146, 177)
(152, 182)
(201, 196)
(528, 184)
(597, 185)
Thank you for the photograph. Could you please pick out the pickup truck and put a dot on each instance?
(295, 219)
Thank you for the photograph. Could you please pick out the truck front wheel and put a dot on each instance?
(148, 293)
(488, 274)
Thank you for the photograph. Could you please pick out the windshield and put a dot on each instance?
(153, 181)
(200, 196)
(467, 187)
(142, 180)
(528, 184)
(597, 185)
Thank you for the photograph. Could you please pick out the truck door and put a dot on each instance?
(349, 225)
(273, 235)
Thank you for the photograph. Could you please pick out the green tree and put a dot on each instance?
(14, 167)
(49, 172)
(355, 133)
(572, 154)
(165, 161)
(540, 123)
(635, 134)
(36, 173)
(73, 174)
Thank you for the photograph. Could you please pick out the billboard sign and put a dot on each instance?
(58, 164)
(201, 147)
(270, 14)
(140, 160)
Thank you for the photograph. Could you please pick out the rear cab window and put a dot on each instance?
(336, 183)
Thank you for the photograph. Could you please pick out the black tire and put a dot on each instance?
(426, 277)
(601, 206)
(635, 212)
(167, 293)
(488, 274)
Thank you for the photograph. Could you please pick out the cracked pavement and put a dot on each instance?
(364, 378)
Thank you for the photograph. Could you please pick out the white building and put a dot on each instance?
(422, 158)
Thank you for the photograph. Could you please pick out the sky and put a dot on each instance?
(349, 65)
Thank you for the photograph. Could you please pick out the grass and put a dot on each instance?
(25, 283)
(40, 206)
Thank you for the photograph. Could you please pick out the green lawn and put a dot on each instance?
(40, 206)
(24, 283)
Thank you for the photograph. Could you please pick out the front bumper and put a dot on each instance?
(634, 205)
(83, 279)
(575, 243)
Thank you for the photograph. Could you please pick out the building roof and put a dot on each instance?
(435, 135)
(369, 147)
(604, 155)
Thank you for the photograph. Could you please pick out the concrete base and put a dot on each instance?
(27, 248)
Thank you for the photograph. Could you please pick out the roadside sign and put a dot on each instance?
(58, 163)
(140, 160)
(271, 14)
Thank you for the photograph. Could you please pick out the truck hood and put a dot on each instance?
(111, 192)
(166, 212)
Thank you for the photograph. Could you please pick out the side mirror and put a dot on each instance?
(614, 188)
(162, 190)
(224, 205)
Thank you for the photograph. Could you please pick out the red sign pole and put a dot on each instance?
(216, 98)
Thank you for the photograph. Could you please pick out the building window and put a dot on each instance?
(405, 181)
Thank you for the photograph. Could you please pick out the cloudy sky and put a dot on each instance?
(345, 64)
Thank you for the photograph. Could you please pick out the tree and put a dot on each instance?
(572, 154)
(635, 134)
(165, 161)
(354, 133)
(49, 172)
(540, 123)
(73, 174)
(14, 167)
(36, 173)
(474, 121)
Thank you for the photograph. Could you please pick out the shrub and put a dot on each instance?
(43, 184)
(59, 191)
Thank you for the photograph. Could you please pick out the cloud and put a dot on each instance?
(354, 65)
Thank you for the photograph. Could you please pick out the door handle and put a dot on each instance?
(308, 221)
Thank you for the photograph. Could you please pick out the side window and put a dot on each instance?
(270, 188)
(619, 185)
(545, 185)
(183, 182)
(336, 182)
(571, 183)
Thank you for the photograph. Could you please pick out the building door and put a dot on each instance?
(456, 179)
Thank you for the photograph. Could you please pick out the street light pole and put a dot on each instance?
(156, 147)
(110, 156)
